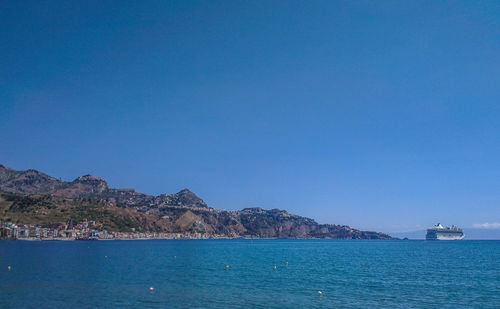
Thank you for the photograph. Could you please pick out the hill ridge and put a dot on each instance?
(31, 197)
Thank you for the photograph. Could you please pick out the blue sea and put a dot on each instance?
(250, 274)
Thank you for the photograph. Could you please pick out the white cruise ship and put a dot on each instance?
(439, 232)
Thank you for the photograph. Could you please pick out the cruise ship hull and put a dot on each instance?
(444, 237)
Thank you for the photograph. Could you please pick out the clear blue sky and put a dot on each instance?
(378, 114)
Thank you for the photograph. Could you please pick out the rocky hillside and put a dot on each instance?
(31, 197)
(35, 182)
(50, 211)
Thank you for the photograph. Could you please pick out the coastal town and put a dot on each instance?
(86, 230)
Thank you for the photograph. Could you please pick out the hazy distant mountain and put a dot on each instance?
(410, 235)
(31, 197)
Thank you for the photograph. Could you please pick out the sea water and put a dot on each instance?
(249, 274)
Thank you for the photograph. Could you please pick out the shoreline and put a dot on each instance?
(217, 238)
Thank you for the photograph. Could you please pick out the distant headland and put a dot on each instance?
(34, 205)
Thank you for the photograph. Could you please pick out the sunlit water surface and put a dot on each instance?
(194, 274)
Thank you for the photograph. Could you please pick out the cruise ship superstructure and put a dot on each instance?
(439, 232)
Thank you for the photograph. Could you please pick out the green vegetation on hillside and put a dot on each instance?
(50, 211)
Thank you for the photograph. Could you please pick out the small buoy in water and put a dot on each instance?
(175, 256)
(286, 263)
(227, 266)
(275, 266)
(152, 289)
(320, 293)
(9, 268)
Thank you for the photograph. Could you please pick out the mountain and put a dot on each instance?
(35, 182)
(27, 182)
(31, 197)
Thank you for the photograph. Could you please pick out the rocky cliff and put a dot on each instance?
(35, 182)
